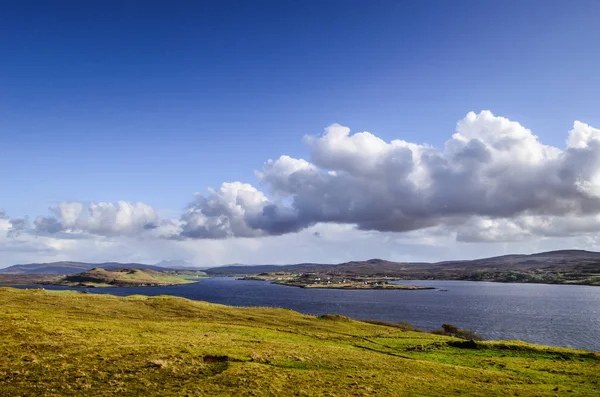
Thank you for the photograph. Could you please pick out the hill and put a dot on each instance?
(70, 344)
(563, 267)
(255, 269)
(72, 267)
(566, 266)
(118, 277)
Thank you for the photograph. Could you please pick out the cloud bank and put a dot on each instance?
(103, 219)
(492, 181)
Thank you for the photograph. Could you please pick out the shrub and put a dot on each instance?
(468, 334)
(452, 330)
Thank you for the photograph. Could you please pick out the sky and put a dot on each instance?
(282, 131)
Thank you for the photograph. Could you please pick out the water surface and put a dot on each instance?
(560, 315)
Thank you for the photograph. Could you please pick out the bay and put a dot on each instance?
(559, 315)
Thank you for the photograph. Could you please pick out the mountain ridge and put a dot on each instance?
(72, 267)
(551, 267)
(575, 264)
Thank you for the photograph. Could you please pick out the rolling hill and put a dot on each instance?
(123, 277)
(64, 343)
(565, 266)
(73, 267)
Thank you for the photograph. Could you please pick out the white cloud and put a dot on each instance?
(493, 182)
(103, 219)
(224, 212)
(491, 168)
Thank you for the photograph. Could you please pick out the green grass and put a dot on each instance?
(67, 343)
(98, 277)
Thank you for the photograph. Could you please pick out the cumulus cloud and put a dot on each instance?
(494, 181)
(12, 227)
(526, 227)
(237, 210)
(17, 226)
(104, 219)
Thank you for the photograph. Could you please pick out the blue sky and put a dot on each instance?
(153, 101)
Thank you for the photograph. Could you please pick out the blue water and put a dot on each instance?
(559, 315)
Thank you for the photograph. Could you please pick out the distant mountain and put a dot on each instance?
(72, 267)
(566, 266)
(238, 269)
(370, 267)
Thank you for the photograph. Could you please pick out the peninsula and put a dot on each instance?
(574, 267)
(117, 277)
(317, 280)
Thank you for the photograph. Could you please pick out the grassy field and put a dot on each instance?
(98, 277)
(66, 343)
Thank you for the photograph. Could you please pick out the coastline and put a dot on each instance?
(144, 344)
(362, 284)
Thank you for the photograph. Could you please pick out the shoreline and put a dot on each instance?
(166, 343)
(253, 278)
(33, 280)
(209, 293)
(365, 284)
(116, 286)
(357, 287)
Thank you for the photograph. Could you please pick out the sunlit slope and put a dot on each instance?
(98, 277)
(68, 343)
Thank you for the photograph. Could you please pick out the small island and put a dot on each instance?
(319, 280)
(124, 277)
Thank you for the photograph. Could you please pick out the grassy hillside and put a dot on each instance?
(125, 278)
(67, 343)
